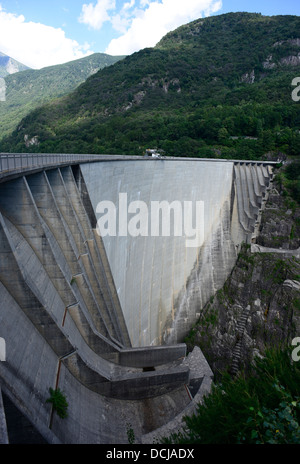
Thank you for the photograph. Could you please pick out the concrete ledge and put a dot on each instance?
(151, 356)
(127, 385)
(286, 253)
(202, 377)
(178, 423)
(146, 384)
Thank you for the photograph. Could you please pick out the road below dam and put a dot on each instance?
(105, 265)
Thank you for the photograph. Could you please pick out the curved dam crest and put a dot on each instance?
(101, 318)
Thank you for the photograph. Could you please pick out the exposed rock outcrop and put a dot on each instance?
(259, 305)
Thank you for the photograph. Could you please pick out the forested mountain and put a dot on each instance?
(31, 88)
(10, 66)
(219, 86)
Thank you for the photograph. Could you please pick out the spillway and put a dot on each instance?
(103, 317)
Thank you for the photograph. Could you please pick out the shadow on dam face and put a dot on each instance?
(102, 317)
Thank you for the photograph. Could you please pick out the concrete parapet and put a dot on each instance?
(201, 378)
(147, 384)
(151, 356)
(127, 385)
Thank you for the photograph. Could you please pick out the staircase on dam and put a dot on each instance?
(61, 313)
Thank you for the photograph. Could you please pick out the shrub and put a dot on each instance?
(59, 402)
(260, 407)
(274, 426)
(130, 434)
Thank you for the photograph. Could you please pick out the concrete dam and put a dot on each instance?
(102, 317)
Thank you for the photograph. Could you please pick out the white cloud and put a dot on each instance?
(35, 44)
(145, 27)
(129, 5)
(95, 15)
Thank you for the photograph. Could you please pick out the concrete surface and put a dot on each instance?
(152, 274)
(3, 424)
(88, 314)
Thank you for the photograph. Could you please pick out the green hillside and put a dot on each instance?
(29, 89)
(219, 86)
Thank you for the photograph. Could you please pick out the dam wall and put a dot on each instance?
(101, 318)
(161, 283)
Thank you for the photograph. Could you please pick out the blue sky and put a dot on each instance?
(42, 33)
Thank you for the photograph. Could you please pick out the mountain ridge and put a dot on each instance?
(9, 65)
(218, 86)
(31, 88)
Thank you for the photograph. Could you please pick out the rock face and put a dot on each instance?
(280, 226)
(10, 66)
(259, 305)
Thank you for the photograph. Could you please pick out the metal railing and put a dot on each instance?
(19, 162)
(26, 161)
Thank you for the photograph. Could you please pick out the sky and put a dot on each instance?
(41, 33)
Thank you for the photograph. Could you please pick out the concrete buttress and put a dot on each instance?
(103, 317)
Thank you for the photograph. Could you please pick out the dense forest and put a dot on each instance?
(216, 87)
(31, 88)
